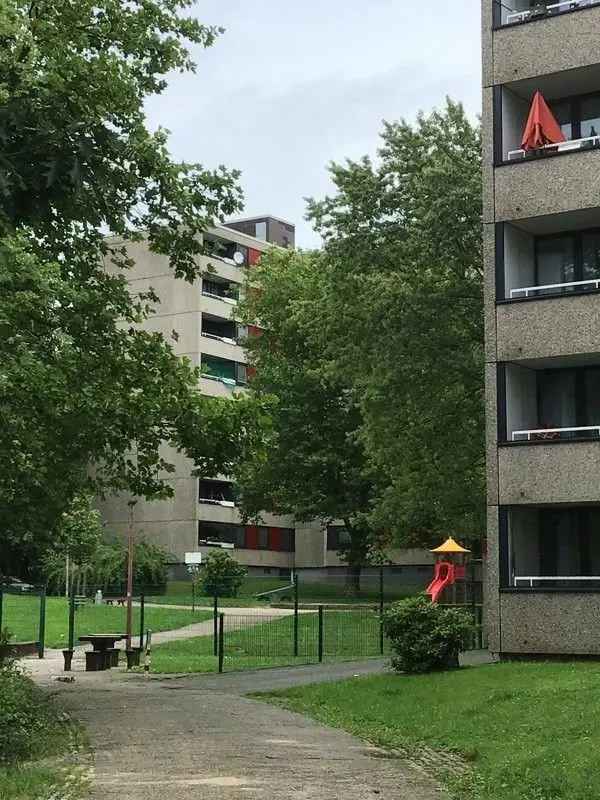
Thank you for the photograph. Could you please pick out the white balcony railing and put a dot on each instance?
(530, 579)
(224, 339)
(232, 301)
(549, 10)
(550, 434)
(526, 291)
(588, 142)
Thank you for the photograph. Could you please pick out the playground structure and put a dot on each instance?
(450, 571)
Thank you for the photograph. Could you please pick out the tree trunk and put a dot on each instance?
(353, 580)
(355, 557)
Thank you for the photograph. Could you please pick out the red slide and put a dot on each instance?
(443, 576)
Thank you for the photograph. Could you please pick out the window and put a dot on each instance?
(216, 491)
(555, 259)
(338, 538)
(214, 326)
(550, 548)
(225, 289)
(219, 368)
(221, 532)
(261, 231)
(288, 540)
(262, 538)
(241, 374)
(221, 248)
(511, 12)
(566, 258)
(578, 117)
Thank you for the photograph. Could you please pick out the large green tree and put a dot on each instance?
(402, 263)
(80, 382)
(312, 461)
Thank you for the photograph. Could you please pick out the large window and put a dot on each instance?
(550, 548)
(216, 326)
(226, 250)
(216, 491)
(218, 288)
(221, 532)
(225, 370)
(338, 538)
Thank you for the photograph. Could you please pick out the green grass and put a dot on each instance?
(21, 617)
(271, 643)
(531, 731)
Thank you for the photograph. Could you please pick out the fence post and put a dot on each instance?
(72, 617)
(221, 640)
(215, 626)
(193, 596)
(142, 609)
(381, 610)
(295, 614)
(320, 634)
(1, 604)
(42, 626)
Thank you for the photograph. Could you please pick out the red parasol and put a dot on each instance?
(541, 128)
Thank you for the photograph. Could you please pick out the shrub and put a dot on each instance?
(28, 721)
(221, 575)
(425, 636)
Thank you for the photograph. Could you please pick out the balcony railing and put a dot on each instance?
(531, 579)
(548, 10)
(587, 143)
(552, 434)
(556, 288)
(224, 339)
(231, 300)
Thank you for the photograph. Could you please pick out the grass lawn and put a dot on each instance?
(531, 731)
(271, 643)
(21, 616)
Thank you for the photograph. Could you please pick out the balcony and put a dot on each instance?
(215, 492)
(226, 292)
(550, 549)
(515, 12)
(229, 373)
(547, 405)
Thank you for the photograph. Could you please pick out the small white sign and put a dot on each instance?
(193, 558)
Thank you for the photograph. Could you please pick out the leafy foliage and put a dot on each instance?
(403, 268)
(424, 635)
(81, 383)
(221, 575)
(312, 461)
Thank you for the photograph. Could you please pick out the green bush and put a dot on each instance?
(28, 721)
(221, 575)
(425, 636)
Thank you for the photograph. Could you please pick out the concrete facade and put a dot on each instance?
(535, 336)
(184, 521)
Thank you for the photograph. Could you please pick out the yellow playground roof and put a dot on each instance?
(450, 546)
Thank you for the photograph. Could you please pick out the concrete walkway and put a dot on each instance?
(201, 737)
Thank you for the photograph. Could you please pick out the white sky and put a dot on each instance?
(291, 86)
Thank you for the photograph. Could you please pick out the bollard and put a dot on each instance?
(148, 655)
(68, 657)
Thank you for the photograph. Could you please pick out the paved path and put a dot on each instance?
(201, 737)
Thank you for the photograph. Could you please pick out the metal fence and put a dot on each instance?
(242, 641)
(23, 618)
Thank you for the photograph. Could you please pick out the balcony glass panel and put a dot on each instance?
(555, 262)
(544, 405)
(553, 549)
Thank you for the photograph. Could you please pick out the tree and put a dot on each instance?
(221, 575)
(402, 271)
(81, 383)
(312, 461)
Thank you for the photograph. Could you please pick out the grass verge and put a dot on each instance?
(21, 617)
(531, 731)
(38, 743)
(250, 643)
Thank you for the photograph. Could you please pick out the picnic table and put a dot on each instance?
(103, 654)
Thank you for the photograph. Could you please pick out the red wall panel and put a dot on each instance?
(251, 537)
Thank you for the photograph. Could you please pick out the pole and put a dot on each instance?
(142, 604)
(381, 610)
(42, 627)
(129, 629)
(148, 656)
(221, 640)
(295, 614)
(320, 634)
(1, 604)
(67, 576)
(193, 595)
(72, 618)
(215, 626)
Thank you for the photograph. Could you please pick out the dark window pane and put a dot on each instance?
(262, 539)
(555, 260)
(590, 245)
(562, 113)
(218, 367)
(592, 397)
(288, 540)
(338, 537)
(216, 490)
(221, 532)
(558, 408)
(590, 116)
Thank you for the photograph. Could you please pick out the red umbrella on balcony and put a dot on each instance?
(542, 127)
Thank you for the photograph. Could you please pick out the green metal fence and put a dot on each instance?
(23, 616)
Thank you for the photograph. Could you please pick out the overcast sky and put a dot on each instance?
(291, 86)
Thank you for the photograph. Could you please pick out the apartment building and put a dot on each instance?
(542, 298)
(200, 321)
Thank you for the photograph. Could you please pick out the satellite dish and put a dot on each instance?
(238, 257)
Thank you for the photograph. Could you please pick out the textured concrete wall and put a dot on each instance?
(546, 186)
(551, 327)
(214, 347)
(491, 432)
(547, 623)
(491, 599)
(549, 473)
(311, 545)
(551, 45)
(257, 558)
